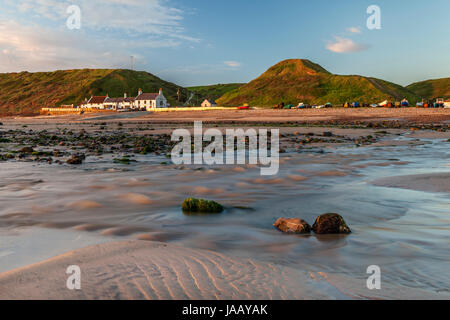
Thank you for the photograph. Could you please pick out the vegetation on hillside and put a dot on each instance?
(26, 93)
(214, 91)
(293, 81)
(431, 89)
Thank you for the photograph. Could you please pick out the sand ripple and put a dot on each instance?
(153, 270)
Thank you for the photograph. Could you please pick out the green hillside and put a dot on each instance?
(293, 81)
(213, 91)
(431, 89)
(26, 93)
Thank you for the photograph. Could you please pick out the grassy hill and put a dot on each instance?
(295, 80)
(431, 89)
(26, 93)
(214, 91)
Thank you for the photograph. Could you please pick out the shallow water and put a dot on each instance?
(405, 232)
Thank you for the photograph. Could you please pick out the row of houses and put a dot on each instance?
(142, 101)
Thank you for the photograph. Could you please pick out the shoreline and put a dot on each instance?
(337, 116)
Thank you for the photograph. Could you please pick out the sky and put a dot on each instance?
(200, 42)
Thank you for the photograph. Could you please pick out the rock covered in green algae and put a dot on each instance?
(192, 205)
(292, 225)
(329, 223)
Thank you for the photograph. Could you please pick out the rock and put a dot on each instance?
(26, 150)
(328, 134)
(124, 160)
(76, 159)
(292, 225)
(192, 205)
(330, 223)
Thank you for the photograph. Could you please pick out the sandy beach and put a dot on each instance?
(405, 116)
(122, 223)
(151, 270)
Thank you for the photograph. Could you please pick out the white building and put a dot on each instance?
(119, 103)
(95, 102)
(209, 103)
(150, 100)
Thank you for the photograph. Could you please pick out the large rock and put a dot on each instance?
(192, 205)
(292, 225)
(76, 159)
(330, 223)
(27, 150)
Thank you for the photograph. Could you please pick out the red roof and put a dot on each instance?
(97, 99)
(147, 96)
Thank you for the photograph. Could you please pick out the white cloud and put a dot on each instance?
(344, 45)
(149, 16)
(232, 64)
(354, 30)
(111, 31)
(36, 48)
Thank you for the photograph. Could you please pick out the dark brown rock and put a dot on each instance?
(292, 225)
(27, 150)
(76, 159)
(330, 223)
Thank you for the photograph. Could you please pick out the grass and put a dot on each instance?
(294, 81)
(212, 91)
(432, 89)
(26, 93)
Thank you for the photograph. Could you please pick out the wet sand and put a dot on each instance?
(387, 183)
(152, 271)
(435, 182)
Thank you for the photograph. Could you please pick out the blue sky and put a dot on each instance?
(196, 42)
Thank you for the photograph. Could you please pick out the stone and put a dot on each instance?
(192, 205)
(292, 225)
(330, 223)
(76, 159)
(27, 150)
